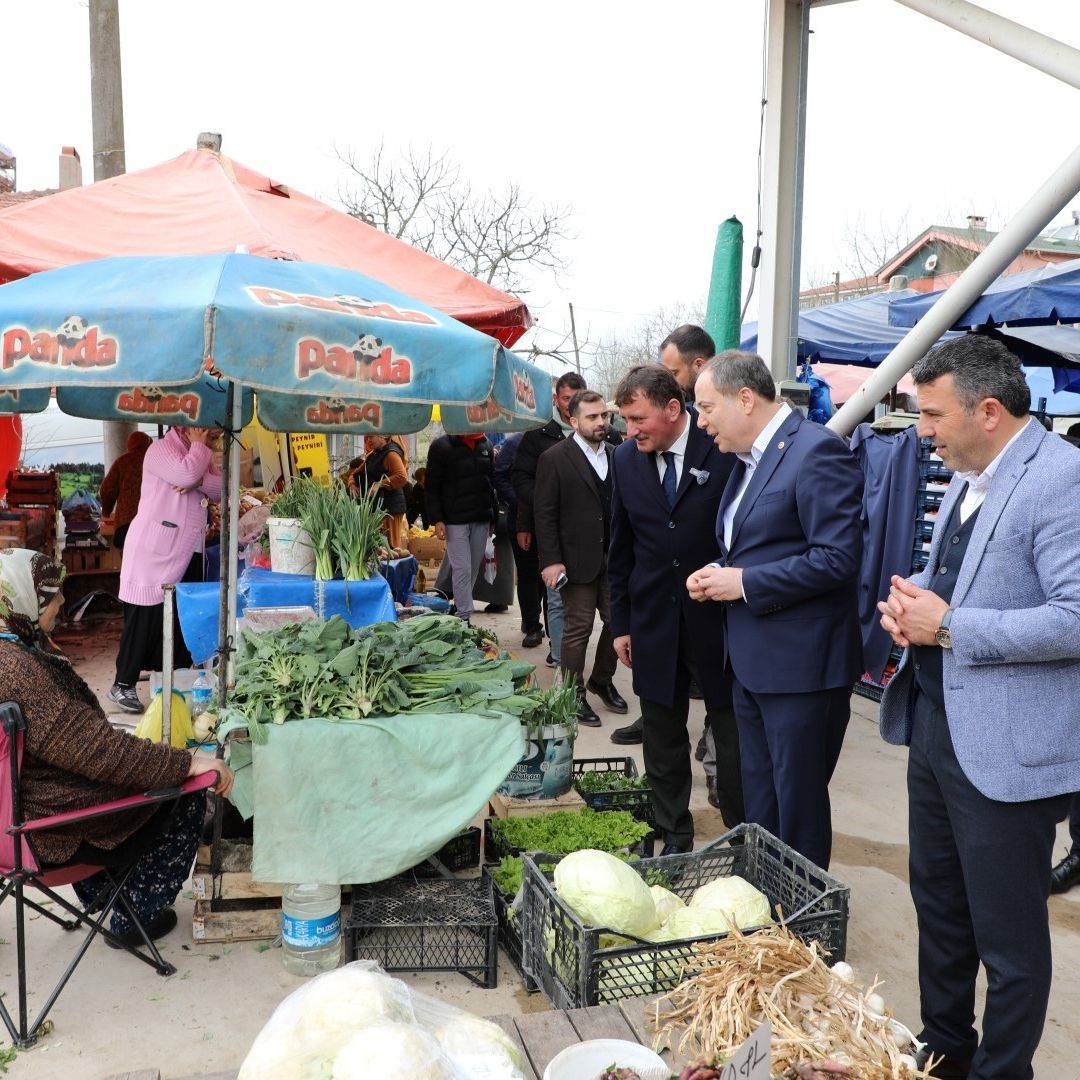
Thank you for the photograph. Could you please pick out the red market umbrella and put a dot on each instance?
(204, 203)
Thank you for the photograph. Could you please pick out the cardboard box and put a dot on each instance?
(505, 806)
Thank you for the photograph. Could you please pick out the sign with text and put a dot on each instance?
(752, 1060)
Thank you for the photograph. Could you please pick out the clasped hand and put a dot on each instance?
(715, 583)
(910, 615)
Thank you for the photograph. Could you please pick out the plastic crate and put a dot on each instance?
(638, 802)
(496, 848)
(573, 970)
(439, 925)
(462, 852)
(509, 932)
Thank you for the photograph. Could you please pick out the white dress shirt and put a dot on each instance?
(978, 483)
(597, 458)
(761, 444)
(678, 448)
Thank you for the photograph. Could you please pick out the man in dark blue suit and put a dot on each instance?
(790, 534)
(668, 480)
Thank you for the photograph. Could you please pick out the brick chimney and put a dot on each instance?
(70, 168)
(976, 221)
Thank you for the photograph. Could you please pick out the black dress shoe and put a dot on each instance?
(611, 697)
(676, 849)
(1066, 874)
(713, 797)
(695, 690)
(699, 750)
(495, 609)
(532, 639)
(162, 925)
(586, 715)
(629, 735)
(946, 1068)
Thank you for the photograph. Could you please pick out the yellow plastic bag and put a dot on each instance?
(149, 727)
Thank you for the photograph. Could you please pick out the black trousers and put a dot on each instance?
(980, 878)
(666, 751)
(530, 586)
(141, 638)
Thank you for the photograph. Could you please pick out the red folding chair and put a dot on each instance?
(19, 868)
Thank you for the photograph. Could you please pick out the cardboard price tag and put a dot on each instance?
(752, 1060)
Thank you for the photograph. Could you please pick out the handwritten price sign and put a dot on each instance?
(751, 1061)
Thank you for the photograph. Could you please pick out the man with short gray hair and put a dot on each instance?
(790, 532)
(987, 698)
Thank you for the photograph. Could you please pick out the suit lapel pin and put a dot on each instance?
(700, 475)
(779, 446)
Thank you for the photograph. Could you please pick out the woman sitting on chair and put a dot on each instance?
(73, 758)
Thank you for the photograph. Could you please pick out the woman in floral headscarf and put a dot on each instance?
(73, 758)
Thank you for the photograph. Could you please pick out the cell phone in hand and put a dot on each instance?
(560, 581)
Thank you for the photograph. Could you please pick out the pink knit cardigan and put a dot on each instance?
(170, 525)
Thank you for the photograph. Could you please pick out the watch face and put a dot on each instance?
(944, 639)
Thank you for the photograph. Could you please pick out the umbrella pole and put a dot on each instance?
(167, 663)
(227, 564)
(234, 402)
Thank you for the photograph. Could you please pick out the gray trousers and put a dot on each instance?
(465, 551)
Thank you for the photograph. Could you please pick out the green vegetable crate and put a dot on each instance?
(509, 932)
(577, 965)
(628, 791)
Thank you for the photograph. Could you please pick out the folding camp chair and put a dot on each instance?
(19, 868)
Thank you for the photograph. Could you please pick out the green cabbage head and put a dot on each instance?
(604, 891)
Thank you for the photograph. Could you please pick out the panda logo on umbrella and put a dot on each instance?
(365, 352)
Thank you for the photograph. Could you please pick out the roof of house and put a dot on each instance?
(13, 198)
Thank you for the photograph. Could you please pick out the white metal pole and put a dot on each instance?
(785, 120)
(1030, 220)
(236, 423)
(1012, 38)
(167, 664)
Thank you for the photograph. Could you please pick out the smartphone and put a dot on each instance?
(560, 581)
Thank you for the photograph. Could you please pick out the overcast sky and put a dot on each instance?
(641, 116)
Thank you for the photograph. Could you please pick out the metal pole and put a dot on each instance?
(167, 664)
(785, 134)
(1012, 38)
(236, 418)
(573, 334)
(226, 569)
(1054, 195)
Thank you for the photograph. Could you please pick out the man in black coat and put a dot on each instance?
(572, 517)
(669, 477)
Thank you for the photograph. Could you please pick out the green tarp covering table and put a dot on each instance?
(353, 801)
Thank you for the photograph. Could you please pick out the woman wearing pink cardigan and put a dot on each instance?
(164, 546)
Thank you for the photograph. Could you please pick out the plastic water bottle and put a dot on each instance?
(202, 693)
(311, 928)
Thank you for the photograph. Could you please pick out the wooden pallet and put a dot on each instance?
(231, 905)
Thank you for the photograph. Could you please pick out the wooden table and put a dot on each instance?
(542, 1035)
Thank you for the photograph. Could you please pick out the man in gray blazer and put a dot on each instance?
(987, 697)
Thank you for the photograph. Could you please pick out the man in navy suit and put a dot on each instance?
(668, 480)
(790, 534)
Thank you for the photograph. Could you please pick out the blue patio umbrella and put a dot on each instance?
(1048, 295)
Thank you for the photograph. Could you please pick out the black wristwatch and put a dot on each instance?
(943, 637)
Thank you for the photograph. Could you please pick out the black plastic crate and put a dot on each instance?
(637, 802)
(438, 925)
(509, 934)
(496, 848)
(574, 970)
(462, 852)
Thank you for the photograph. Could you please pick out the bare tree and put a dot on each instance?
(421, 197)
(611, 358)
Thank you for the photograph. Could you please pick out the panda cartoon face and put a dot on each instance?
(336, 404)
(353, 301)
(152, 393)
(72, 330)
(367, 348)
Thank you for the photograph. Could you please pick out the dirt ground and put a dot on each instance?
(117, 1015)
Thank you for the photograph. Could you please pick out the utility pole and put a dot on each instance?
(573, 335)
(107, 105)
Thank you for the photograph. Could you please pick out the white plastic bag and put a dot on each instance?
(356, 1021)
(491, 566)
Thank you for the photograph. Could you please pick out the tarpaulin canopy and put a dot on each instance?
(203, 202)
(1050, 294)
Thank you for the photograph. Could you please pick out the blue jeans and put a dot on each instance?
(555, 621)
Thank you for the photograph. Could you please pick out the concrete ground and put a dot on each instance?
(118, 1016)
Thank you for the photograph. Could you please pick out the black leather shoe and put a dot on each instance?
(713, 797)
(695, 690)
(946, 1068)
(495, 609)
(532, 639)
(586, 715)
(699, 750)
(162, 925)
(1066, 874)
(611, 697)
(676, 849)
(629, 735)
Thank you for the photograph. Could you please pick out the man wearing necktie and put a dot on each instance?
(668, 480)
(987, 698)
(790, 534)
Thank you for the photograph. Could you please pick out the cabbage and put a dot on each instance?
(737, 898)
(386, 1049)
(604, 891)
(665, 902)
(481, 1049)
(337, 1004)
(691, 922)
(281, 1055)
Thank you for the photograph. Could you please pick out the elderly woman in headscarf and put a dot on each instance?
(73, 758)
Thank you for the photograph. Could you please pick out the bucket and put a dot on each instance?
(290, 547)
(545, 770)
